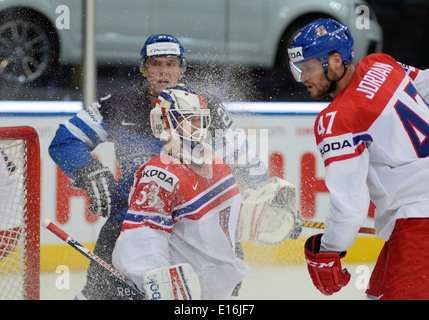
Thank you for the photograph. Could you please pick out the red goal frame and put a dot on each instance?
(32, 245)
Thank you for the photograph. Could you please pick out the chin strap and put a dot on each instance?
(325, 65)
(346, 66)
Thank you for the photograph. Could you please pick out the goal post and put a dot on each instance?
(19, 213)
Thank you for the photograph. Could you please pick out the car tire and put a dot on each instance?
(28, 47)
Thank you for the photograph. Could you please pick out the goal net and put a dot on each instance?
(19, 213)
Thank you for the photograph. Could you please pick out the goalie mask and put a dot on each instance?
(182, 114)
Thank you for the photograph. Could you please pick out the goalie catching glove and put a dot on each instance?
(269, 214)
(325, 267)
(178, 282)
(102, 189)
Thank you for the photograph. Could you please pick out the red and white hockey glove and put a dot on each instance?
(325, 267)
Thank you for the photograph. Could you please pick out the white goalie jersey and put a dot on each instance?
(178, 214)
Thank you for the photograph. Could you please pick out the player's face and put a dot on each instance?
(190, 127)
(314, 79)
(162, 72)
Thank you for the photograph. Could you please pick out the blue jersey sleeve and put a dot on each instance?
(75, 139)
(68, 152)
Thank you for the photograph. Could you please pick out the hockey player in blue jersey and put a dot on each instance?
(123, 118)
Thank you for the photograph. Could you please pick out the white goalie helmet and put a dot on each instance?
(182, 113)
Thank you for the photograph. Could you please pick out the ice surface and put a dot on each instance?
(262, 283)
(294, 283)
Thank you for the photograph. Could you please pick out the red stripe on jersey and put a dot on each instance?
(146, 223)
(213, 204)
(413, 73)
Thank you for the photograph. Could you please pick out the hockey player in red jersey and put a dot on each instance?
(373, 138)
(179, 231)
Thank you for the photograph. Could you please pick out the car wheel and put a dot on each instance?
(27, 48)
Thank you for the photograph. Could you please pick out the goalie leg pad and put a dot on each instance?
(178, 282)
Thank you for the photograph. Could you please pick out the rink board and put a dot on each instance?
(281, 133)
(289, 252)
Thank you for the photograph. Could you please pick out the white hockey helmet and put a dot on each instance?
(176, 112)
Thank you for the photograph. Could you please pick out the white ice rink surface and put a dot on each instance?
(262, 283)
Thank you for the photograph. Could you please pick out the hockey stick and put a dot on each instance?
(48, 224)
(321, 225)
